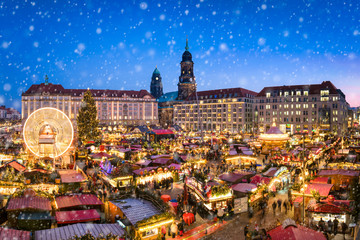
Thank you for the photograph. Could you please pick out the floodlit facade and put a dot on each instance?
(217, 110)
(113, 106)
(320, 108)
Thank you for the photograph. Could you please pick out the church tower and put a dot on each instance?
(156, 87)
(187, 83)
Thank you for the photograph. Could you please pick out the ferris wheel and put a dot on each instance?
(48, 132)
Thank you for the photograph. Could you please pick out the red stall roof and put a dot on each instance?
(231, 177)
(29, 202)
(70, 176)
(323, 189)
(141, 170)
(295, 233)
(243, 187)
(162, 131)
(162, 161)
(260, 179)
(77, 200)
(320, 180)
(338, 172)
(329, 208)
(7, 233)
(65, 217)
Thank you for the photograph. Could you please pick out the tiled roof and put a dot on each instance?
(222, 93)
(231, 177)
(10, 234)
(29, 202)
(136, 209)
(79, 229)
(312, 88)
(16, 165)
(38, 89)
(77, 200)
(322, 188)
(243, 187)
(65, 217)
(338, 172)
(167, 97)
(70, 176)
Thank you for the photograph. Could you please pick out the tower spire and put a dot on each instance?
(46, 79)
(187, 44)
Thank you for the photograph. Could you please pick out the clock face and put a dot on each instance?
(157, 78)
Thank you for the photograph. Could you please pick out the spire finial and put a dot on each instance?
(46, 79)
(187, 44)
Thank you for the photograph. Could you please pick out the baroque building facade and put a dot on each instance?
(320, 108)
(113, 106)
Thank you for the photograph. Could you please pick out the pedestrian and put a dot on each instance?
(344, 228)
(279, 204)
(336, 224)
(181, 227)
(274, 206)
(322, 225)
(174, 229)
(246, 230)
(285, 206)
(220, 215)
(330, 225)
(163, 232)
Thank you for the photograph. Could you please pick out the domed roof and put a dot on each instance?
(187, 57)
(156, 71)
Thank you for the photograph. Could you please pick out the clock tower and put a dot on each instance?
(187, 83)
(156, 87)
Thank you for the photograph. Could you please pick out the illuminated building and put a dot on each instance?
(113, 106)
(299, 108)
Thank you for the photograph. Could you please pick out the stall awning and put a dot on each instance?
(322, 188)
(70, 176)
(7, 233)
(79, 229)
(29, 202)
(243, 187)
(231, 177)
(66, 217)
(77, 200)
(295, 233)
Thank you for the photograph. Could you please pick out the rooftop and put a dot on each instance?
(136, 209)
(58, 89)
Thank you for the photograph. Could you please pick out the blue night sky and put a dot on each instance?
(116, 44)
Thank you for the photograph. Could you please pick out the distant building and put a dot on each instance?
(214, 110)
(186, 87)
(9, 113)
(320, 108)
(217, 110)
(156, 87)
(113, 106)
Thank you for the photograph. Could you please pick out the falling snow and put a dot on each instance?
(118, 44)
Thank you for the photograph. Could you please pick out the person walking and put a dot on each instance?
(336, 224)
(279, 204)
(330, 226)
(181, 227)
(174, 229)
(322, 225)
(246, 230)
(285, 204)
(274, 206)
(220, 215)
(344, 228)
(163, 232)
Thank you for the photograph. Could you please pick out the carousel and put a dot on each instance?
(272, 139)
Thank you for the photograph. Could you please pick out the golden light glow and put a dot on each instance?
(48, 116)
(143, 229)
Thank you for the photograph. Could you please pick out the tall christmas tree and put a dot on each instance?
(87, 123)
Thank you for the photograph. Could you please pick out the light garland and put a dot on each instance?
(143, 229)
